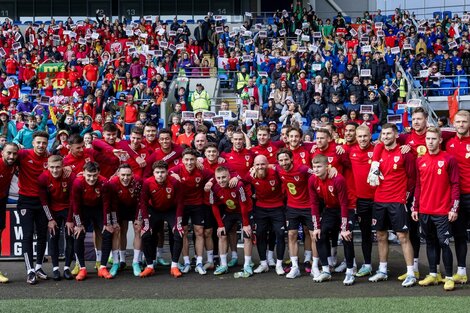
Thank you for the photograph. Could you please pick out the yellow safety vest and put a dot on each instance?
(242, 81)
(200, 101)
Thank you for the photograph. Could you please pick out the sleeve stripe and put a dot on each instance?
(48, 212)
(242, 194)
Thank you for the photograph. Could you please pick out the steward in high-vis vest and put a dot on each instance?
(200, 99)
(241, 80)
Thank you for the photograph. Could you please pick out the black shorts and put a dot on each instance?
(196, 213)
(364, 209)
(29, 203)
(126, 214)
(460, 226)
(435, 226)
(157, 219)
(330, 222)
(233, 219)
(92, 216)
(295, 217)
(209, 221)
(390, 215)
(3, 212)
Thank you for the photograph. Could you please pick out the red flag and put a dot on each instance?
(453, 104)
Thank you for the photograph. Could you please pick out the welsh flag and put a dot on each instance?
(55, 72)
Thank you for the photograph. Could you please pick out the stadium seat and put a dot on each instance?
(99, 83)
(448, 13)
(347, 19)
(346, 104)
(17, 23)
(270, 20)
(26, 90)
(27, 22)
(463, 83)
(189, 22)
(169, 22)
(180, 21)
(391, 112)
(13, 76)
(200, 21)
(446, 87)
(375, 136)
(161, 123)
(438, 13)
(47, 22)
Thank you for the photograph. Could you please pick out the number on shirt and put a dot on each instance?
(292, 189)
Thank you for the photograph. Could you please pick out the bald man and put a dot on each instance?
(268, 211)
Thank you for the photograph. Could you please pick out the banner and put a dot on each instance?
(453, 103)
(55, 72)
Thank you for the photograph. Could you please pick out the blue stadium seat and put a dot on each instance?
(169, 22)
(27, 22)
(448, 13)
(180, 21)
(463, 83)
(47, 22)
(160, 123)
(200, 21)
(13, 76)
(347, 19)
(190, 22)
(446, 87)
(375, 136)
(270, 20)
(438, 13)
(26, 89)
(391, 112)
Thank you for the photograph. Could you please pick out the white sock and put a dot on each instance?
(98, 255)
(383, 267)
(349, 271)
(198, 260)
(247, 260)
(66, 268)
(210, 256)
(295, 261)
(136, 256)
(223, 260)
(315, 263)
(433, 274)
(159, 252)
(279, 263)
(38, 266)
(307, 256)
(354, 262)
(270, 255)
(410, 271)
(234, 255)
(174, 264)
(115, 256)
(368, 265)
(331, 261)
(264, 263)
(415, 265)
(461, 270)
(325, 269)
(55, 268)
(122, 255)
(30, 271)
(186, 259)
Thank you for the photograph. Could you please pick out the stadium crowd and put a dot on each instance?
(81, 127)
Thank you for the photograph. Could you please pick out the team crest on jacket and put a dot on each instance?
(330, 188)
(234, 195)
(302, 155)
(87, 160)
(168, 190)
(177, 161)
(247, 157)
(440, 163)
(198, 179)
(396, 159)
(97, 190)
(370, 154)
(272, 182)
(143, 155)
(64, 184)
(330, 159)
(45, 165)
(270, 149)
(297, 178)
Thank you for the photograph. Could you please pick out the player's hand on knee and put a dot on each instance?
(247, 230)
(77, 230)
(221, 231)
(316, 234)
(346, 235)
(52, 225)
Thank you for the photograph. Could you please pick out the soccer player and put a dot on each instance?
(54, 193)
(138, 153)
(192, 180)
(78, 155)
(161, 200)
(240, 159)
(168, 152)
(435, 204)
(122, 194)
(300, 151)
(108, 155)
(335, 215)
(150, 136)
(459, 147)
(268, 212)
(7, 170)
(397, 175)
(360, 156)
(294, 179)
(32, 163)
(87, 205)
(265, 146)
(230, 206)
